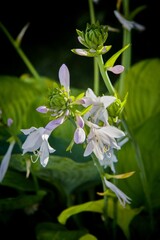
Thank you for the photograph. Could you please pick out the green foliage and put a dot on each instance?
(143, 115)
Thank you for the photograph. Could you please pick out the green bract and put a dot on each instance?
(94, 36)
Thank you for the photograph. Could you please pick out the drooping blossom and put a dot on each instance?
(128, 24)
(122, 197)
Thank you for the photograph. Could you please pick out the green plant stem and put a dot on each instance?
(126, 56)
(96, 69)
(143, 175)
(21, 53)
(91, 11)
(105, 75)
(101, 173)
(96, 78)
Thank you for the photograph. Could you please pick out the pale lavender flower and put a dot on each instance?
(122, 197)
(128, 24)
(79, 134)
(9, 122)
(64, 77)
(117, 69)
(109, 160)
(102, 139)
(42, 109)
(5, 160)
(37, 140)
(99, 105)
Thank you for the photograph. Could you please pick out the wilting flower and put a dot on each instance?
(101, 139)
(123, 198)
(99, 105)
(37, 140)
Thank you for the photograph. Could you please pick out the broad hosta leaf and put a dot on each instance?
(61, 171)
(148, 139)
(142, 83)
(18, 181)
(19, 100)
(21, 202)
(124, 215)
(142, 113)
(50, 231)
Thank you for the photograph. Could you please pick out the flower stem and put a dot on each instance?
(21, 53)
(105, 75)
(126, 56)
(96, 70)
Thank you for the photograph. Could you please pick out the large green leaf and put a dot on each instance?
(142, 83)
(142, 113)
(21, 201)
(124, 215)
(18, 99)
(60, 171)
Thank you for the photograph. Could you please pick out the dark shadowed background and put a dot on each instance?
(52, 34)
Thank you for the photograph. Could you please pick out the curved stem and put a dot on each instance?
(21, 53)
(105, 75)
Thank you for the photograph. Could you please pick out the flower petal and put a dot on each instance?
(42, 109)
(123, 198)
(64, 77)
(5, 161)
(79, 135)
(117, 69)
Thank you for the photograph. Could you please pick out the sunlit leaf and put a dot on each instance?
(124, 215)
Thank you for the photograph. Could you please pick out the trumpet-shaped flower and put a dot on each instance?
(101, 139)
(109, 160)
(37, 140)
(123, 198)
(99, 105)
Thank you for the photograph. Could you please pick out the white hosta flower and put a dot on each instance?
(128, 24)
(109, 160)
(122, 197)
(99, 105)
(102, 139)
(37, 140)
